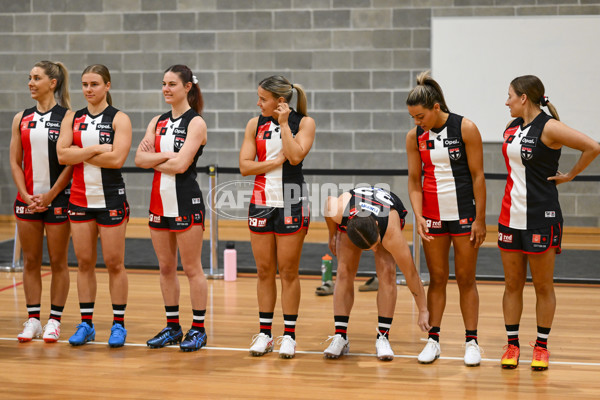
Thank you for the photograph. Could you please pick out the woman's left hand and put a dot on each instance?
(560, 178)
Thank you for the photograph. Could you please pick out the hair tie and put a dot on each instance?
(292, 86)
(194, 80)
(544, 101)
(353, 213)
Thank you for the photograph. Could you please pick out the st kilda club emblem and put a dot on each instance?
(179, 140)
(53, 134)
(526, 153)
(105, 137)
(454, 153)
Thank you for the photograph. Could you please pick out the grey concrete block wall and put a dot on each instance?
(357, 60)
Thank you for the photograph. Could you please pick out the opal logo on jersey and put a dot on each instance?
(179, 131)
(178, 142)
(104, 127)
(455, 153)
(104, 137)
(53, 124)
(505, 238)
(550, 214)
(452, 142)
(529, 141)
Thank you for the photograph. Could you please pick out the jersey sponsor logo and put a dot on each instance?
(179, 131)
(509, 139)
(505, 238)
(550, 214)
(179, 141)
(23, 210)
(455, 153)
(369, 207)
(434, 224)
(510, 132)
(257, 222)
(76, 213)
(53, 124)
(196, 200)
(529, 141)
(81, 126)
(53, 134)
(104, 127)
(452, 142)
(377, 193)
(104, 137)
(526, 153)
(163, 131)
(154, 218)
(539, 239)
(31, 124)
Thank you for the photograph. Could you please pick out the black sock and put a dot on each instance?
(542, 337)
(172, 313)
(383, 326)
(471, 335)
(198, 323)
(289, 322)
(33, 310)
(434, 333)
(512, 331)
(87, 312)
(56, 312)
(266, 321)
(341, 325)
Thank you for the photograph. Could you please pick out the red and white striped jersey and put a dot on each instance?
(447, 183)
(269, 187)
(530, 199)
(39, 133)
(175, 195)
(96, 187)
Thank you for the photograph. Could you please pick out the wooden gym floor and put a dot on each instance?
(224, 369)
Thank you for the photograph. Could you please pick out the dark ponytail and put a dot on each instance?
(533, 87)
(194, 96)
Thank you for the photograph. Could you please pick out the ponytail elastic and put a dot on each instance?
(544, 101)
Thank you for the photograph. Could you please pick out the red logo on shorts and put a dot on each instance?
(113, 213)
(288, 220)
(178, 219)
(58, 211)
(505, 238)
(463, 221)
(536, 239)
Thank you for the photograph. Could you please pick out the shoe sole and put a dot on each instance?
(286, 356)
(160, 346)
(259, 354)
(50, 340)
(189, 349)
(509, 366)
(539, 368)
(114, 346)
(333, 356)
(472, 365)
(428, 362)
(385, 358)
(84, 342)
(24, 340)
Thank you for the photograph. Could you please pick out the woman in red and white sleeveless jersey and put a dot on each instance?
(43, 194)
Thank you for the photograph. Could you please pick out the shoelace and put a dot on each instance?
(512, 351)
(473, 345)
(331, 338)
(539, 352)
(255, 337)
(280, 339)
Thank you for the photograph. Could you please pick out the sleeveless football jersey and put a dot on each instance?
(375, 201)
(530, 199)
(39, 133)
(175, 195)
(447, 183)
(269, 187)
(96, 187)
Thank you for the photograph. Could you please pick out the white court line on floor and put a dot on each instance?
(245, 350)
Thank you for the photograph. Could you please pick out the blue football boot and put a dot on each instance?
(118, 334)
(194, 340)
(165, 337)
(84, 333)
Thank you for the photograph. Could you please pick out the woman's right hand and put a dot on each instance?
(422, 229)
(104, 148)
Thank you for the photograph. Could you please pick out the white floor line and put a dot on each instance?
(245, 350)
